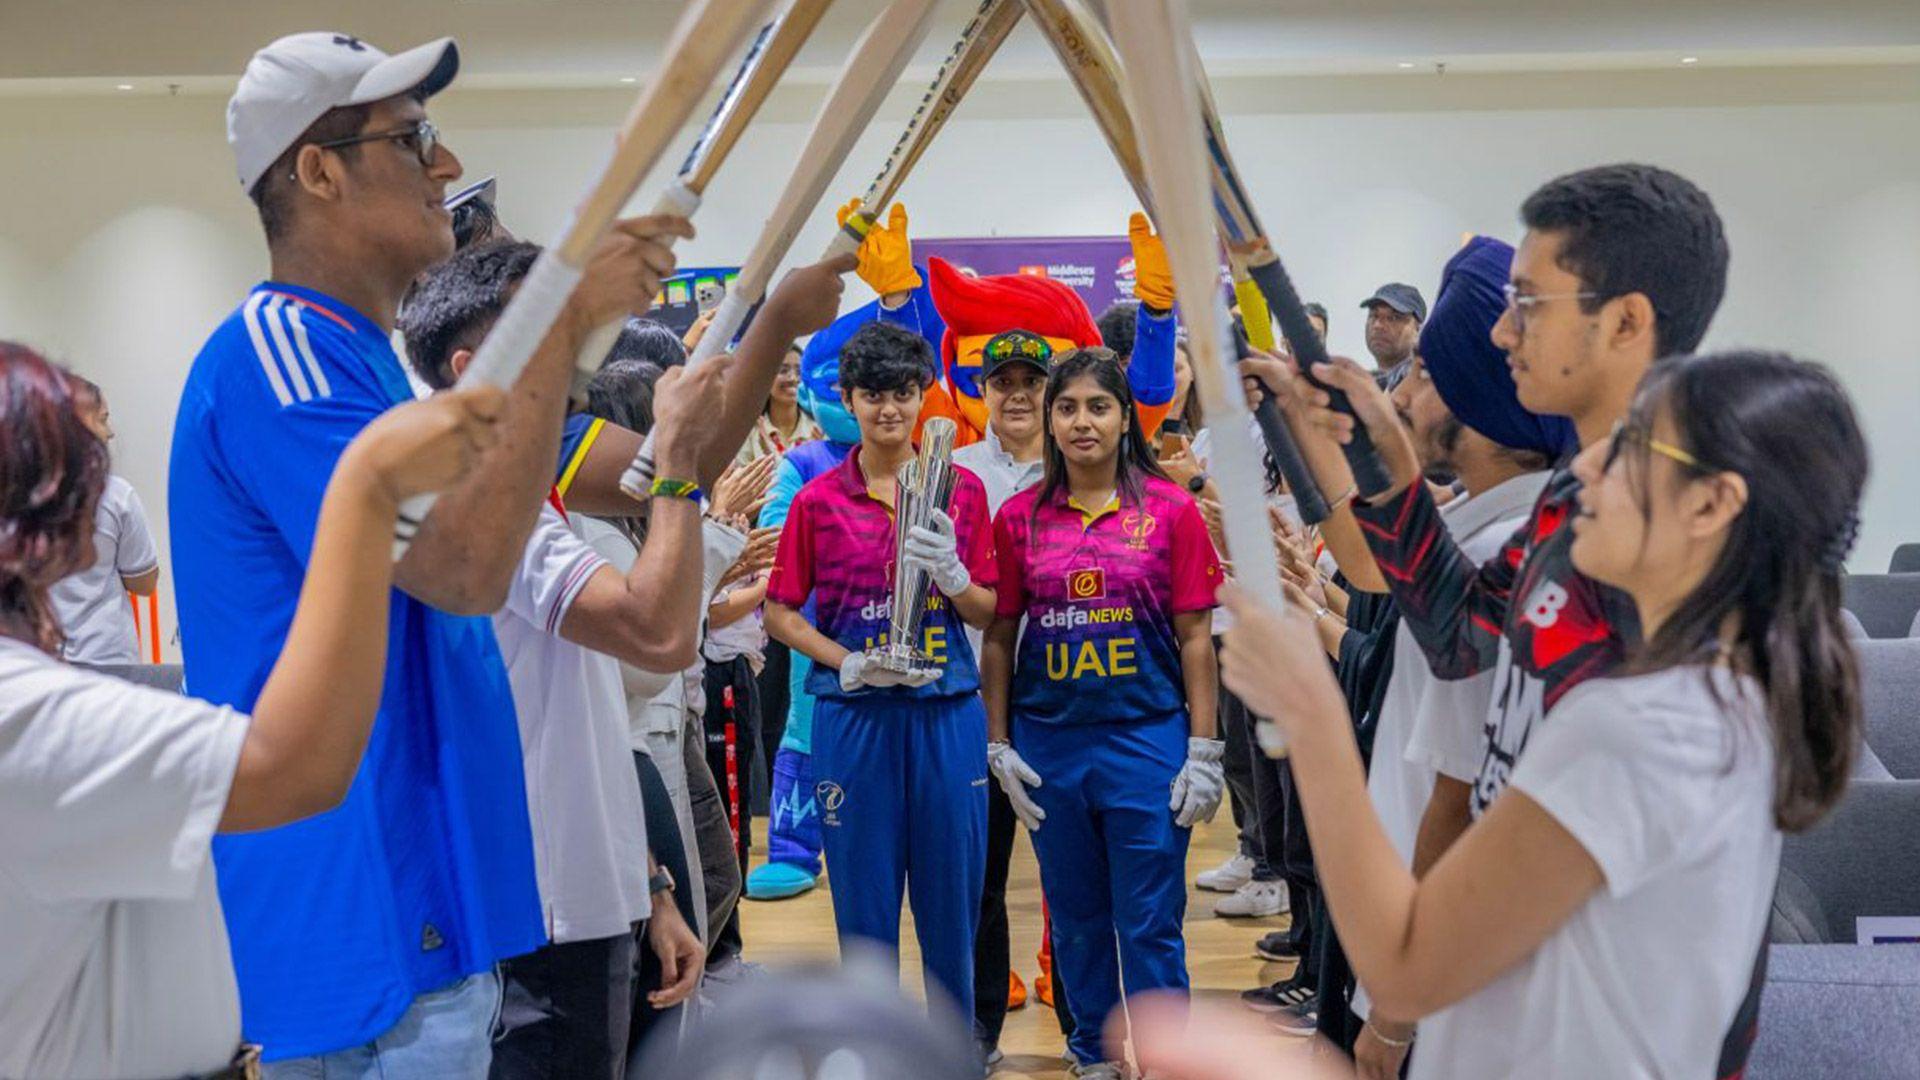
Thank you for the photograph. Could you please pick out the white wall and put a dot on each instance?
(124, 237)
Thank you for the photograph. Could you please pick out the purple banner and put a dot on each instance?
(1100, 268)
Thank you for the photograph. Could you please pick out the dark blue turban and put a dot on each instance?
(1468, 369)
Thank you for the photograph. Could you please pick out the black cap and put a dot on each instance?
(1401, 297)
(1015, 347)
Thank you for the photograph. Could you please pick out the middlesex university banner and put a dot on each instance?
(1100, 268)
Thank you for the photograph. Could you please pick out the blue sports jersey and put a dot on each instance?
(425, 873)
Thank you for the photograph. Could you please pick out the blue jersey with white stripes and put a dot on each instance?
(425, 874)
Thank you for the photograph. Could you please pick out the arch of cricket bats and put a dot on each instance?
(1141, 78)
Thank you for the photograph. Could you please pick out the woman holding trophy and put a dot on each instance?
(890, 552)
(1110, 694)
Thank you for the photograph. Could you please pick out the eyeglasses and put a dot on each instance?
(1017, 346)
(1624, 434)
(1521, 303)
(422, 138)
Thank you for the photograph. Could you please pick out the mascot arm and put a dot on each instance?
(1150, 374)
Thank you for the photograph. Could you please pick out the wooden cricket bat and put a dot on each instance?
(1150, 37)
(875, 64)
(768, 57)
(708, 32)
(981, 38)
(1251, 251)
(1081, 44)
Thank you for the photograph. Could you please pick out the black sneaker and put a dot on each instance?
(1281, 995)
(1301, 1019)
(1277, 946)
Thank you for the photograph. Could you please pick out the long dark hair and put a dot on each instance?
(52, 470)
(1136, 459)
(1788, 429)
(621, 393)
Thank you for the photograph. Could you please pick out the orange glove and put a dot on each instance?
(1152, 276)
(886, 255)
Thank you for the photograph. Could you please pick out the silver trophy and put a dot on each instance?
(924, 485)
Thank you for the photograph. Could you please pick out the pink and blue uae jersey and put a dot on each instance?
(1099, 590)
(837, 547)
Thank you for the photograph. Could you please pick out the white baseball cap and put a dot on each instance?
(294, 81)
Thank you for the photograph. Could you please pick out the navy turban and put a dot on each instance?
(1468, 369)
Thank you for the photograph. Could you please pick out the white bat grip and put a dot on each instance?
(638, 476)
(678, 200)
(502, 356)
(726, 323)
(843, 243)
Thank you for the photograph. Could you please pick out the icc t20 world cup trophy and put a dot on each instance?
(925, 485)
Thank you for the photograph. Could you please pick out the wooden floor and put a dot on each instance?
(1220, 957)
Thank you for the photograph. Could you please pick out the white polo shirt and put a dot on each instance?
(92, 604)
(589, 830)
(1399, 780)
(113, 949)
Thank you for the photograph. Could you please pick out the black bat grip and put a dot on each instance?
(1370, 473)
(1307, 496)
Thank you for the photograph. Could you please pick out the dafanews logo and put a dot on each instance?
(1088, 584)
(882, 610)
(1073, 618)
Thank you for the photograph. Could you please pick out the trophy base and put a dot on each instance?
(905, 660)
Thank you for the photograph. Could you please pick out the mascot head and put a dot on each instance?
(820, 396)
(977, 308)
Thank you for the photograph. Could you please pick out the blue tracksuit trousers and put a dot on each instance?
(902, 791)
(1112, 862)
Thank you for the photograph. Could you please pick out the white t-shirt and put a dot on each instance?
(589, 830)
(113, 949)
(92, 604)
(651, 705)
(1671, 792)
(1399, 781)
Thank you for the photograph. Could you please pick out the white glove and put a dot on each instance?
(862, 669)
(1015, 777)
(1202, 780)
(936, 550)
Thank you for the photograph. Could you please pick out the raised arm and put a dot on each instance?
(464, 556)
(650, 616)
(1455, 607)
(804, 301)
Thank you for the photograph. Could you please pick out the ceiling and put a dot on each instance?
(199, 46)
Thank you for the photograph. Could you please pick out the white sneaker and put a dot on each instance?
(1254, 900)
(1229, 876)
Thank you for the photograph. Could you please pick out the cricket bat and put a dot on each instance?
(981, 38)
(707, 33)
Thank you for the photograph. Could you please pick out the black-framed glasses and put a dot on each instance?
(421, 137)
(1521, 303)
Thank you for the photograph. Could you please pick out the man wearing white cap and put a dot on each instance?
(365, 940)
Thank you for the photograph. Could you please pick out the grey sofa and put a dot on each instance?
(1833, 1009)
(1885, 603)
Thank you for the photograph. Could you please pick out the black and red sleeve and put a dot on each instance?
(1455, 608)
